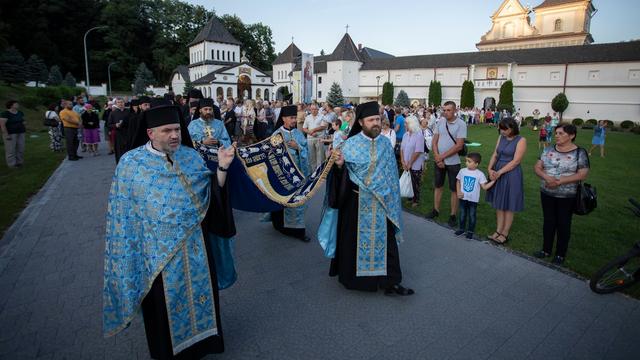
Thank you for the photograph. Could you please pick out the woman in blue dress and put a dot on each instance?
(507, 195)
(599, 133)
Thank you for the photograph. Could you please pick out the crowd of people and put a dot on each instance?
(371, 143)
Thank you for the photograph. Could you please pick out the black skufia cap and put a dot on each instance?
(145, 100)
(162, 115)
(206, 102)
(362, 111)
(289, 110)
(159, 115)
(195, 93)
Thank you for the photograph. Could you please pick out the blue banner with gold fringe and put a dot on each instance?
(263, 177)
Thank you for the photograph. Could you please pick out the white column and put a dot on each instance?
(509, 71)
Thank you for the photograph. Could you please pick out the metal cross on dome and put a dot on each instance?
(347, 27)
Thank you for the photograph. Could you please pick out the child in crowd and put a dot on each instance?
(468, 184)
(542, 142)
(338, 135)
(337, 138)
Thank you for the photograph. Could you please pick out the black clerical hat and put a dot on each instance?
(135, 102)
(194, 104)
(206, 102)
(290, 110)
(195, 93)
(145, 100)
(362, 111)
(162, 115)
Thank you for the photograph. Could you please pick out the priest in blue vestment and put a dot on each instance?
(162, 200)
(208, 128)
(363, 186)
(290, 221)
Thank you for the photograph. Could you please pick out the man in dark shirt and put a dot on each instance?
(119, 122)
(230, 119)
(13, 129)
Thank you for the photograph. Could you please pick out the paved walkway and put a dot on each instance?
(473, 300)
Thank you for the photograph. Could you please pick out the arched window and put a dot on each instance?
(228, 55)
(266, 94)
(218, 54)
(211, 54)
(258, 94)
(223, 56)
(557, 25)
(229, 92)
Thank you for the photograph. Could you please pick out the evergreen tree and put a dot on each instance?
(36, 70)
(467, 96)
(55, 76)
(435, 93)
(12, 66)
(560, 103)
(69, 80)
(144, 78)
(505, 101)
(402, 99)
(335, 98)
(145, 74)
(139, 86)
(387, 93)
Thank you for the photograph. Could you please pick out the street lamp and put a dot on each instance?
(377, 87)
(86, 58)
(109, 74)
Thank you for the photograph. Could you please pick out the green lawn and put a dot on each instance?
(18, 185)
(596, 238)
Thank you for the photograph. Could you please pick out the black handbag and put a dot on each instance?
(464, 150)
(586, 195)
(49, 121)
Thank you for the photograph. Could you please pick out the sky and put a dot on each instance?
(402, 27)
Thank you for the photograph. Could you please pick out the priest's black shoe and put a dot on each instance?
(398, 290)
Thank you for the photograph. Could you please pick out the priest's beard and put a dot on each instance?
(372, 131)
(207, 117)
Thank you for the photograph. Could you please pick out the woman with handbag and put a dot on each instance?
(561, 167)
(507, 195)
(52, 121)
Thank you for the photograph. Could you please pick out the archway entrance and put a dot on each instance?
(281, 92)
(244, 86)
(489, 103)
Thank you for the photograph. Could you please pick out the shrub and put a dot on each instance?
(527, 120)
(577, 122)
(592, 122)
(66, 91)
(627, 124)
(30, 101)
(48, 95)
(636, 130)
(610, 123)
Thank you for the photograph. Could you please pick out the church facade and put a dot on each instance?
(544, 56)
(219, 69)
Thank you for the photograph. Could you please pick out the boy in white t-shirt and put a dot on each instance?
(468, 184)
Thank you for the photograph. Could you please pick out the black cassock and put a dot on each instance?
(343, 195)
(122, 132)
(219, 220)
